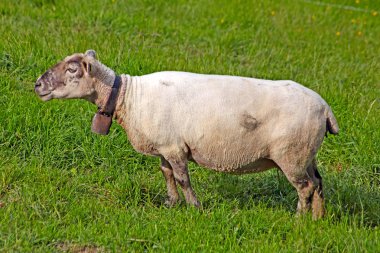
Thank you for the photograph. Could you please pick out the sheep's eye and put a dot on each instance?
(71, 70)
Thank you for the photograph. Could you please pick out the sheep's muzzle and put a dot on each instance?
(42, 86)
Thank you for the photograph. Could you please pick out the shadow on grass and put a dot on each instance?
(344, 197)
(352, 195)
(270, 189)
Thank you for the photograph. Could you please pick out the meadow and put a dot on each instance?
(65, 189)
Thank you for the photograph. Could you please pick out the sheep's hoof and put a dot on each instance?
(197, 204)
(318, 207)
(170, 202)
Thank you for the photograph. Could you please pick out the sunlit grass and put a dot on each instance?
(64, 188)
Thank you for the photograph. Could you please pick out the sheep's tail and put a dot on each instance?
(331, 123)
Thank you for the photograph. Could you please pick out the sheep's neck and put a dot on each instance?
(102, 93)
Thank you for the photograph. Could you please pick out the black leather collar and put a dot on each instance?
(110, 105)
(102, 120)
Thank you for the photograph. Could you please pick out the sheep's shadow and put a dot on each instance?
(272, 190)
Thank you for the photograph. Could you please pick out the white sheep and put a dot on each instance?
(226, 123)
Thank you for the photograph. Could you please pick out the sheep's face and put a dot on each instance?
(67, 79)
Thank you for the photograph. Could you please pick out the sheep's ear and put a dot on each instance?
(91, 53)
(87, 66)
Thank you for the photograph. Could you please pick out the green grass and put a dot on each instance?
(63, 188)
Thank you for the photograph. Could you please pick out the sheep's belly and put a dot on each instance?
(259, 165)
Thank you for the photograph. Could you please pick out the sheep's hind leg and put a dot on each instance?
(305, 189)
(318, 205)
(181, 175)
(303, 183)
(171, 186)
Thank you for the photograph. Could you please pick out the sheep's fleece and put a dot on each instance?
(226, 123)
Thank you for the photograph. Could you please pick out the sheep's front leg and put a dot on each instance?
(181, 175)
(171, 186)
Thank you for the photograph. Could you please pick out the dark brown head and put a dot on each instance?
(70, 78)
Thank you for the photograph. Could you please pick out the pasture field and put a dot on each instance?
(64, 189)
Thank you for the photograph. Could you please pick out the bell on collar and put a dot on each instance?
(101, 123)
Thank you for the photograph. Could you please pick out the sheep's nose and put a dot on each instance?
(38, 84)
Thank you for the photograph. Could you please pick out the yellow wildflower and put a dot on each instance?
(337, 33)
(375, 13)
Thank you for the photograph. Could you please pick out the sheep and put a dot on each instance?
(226, 123)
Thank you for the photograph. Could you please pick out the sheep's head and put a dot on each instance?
(71, 78)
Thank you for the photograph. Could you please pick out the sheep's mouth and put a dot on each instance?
(45, 96)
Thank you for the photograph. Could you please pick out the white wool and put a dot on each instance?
(226, 122)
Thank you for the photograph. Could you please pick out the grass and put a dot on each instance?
(63, 188)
